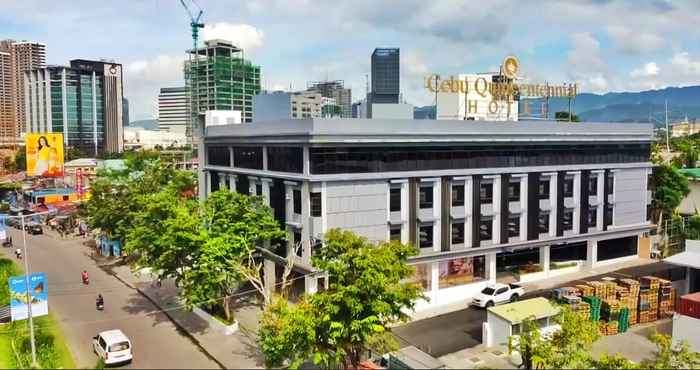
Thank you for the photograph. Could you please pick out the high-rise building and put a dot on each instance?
(83, 101)
(173, 115)
(7, 111)
(281, 105)
(335, 90)
(223, 79)
(22, 56)
(125, 109)
(385, 76)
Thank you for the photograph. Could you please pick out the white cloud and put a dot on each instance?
(586, 65)
(634, 41)
(686, 65)
(143, 80)
(244, 36)
(647, 70)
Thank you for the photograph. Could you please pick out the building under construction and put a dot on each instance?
(334, 90)
(222, 79)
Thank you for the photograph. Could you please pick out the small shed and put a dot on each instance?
(504, 321)
(410, 357)
(686, 322)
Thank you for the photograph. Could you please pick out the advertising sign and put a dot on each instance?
(18, 296)
(79, 182)
(44, 154)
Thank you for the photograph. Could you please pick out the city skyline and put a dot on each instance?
(602, 45)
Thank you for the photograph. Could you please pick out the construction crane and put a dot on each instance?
(195, 25)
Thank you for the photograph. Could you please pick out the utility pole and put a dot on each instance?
(29, 297)
(668, 147)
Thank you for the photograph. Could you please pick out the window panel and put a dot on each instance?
(315, 199)
(426, 196)
(514, 191)
(426, 236)
(458, 195)
(486, 229)
(395, 199)
(457, 233)
(486, 192)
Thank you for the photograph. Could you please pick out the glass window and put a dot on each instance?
(568, 219)
(218, 156)
(568, 187)
(315, 199)
(248, 157)
(121, 346)
(395, 233)
(593, 217)
(501, 290)
(457, 195)
(608, 214)
(296, 194)
(457, 233)
(486, 228)
(543, 189)
(514, 191)
(513, 226)
(593, 185)
(285, 159)
(426, 196)
(395, 199)
(258, 190)
(543, 222)
(461, 271)
(486, 193)
(426, 236)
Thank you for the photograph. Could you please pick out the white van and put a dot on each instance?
(112, 346)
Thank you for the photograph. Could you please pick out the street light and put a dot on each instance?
(26, 282)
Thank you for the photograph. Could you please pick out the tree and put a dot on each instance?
(366, 293)
(670, 356)
(74, 153)
(669, 187)
(21, 159)
(233, 225)
(287, 334)
(564, 116)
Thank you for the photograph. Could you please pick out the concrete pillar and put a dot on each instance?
(232, 182)
(434, 282)
(592, 253)
(311, 284)
(222, 180)
(269, 276)
(544, 259)
(496, 222)
(207, 184)
(437, 208)
(491, 267)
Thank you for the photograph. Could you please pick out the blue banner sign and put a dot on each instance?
(37, 294)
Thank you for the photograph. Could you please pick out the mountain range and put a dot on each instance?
(643, 106)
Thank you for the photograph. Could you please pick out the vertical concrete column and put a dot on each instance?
(591, 253)
(491, 267)
(405, 232)
(266, 183)
(523, 208)
(232, 182)
(496, 222)
(269, 276)
(222, 180)
(306, 223)
(437, 208)
(576, 225)
(311, 284)
(207, 184)
(434, 282)
(468, 199)
(230, 156)
(264, 155)
(544, 259)
(553, 204)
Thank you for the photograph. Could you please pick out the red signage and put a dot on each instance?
(79, 182)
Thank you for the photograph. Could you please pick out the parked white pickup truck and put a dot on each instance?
(497, 294)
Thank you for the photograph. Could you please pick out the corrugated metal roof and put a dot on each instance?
(692, 172)
(695, 297)
(535, 308)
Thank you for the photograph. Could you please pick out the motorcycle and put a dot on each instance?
(18, 254)
(100, 303)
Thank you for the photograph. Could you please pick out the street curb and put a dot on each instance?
(165, 312)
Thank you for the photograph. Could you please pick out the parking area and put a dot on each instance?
(455, 331)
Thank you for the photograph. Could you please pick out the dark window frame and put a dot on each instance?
(427, 201)
(394, 204)
(568, 190)
(316, 201)
(593, 185)
(514, 191)
(567, 226)
(543, 227)
(296, 200)
(486, 228)
(513, 232)
(285, 159)
(458, 195)
(393, 229)
(543, 189)
(592, 217)
(430, 236)
(459, 236)
(486, 192)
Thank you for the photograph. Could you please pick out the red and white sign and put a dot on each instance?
(79, 182)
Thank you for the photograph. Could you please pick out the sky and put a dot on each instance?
(603, 45)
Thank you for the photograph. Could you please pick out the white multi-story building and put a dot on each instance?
(173, 111)
(280, 105)
(479, 200)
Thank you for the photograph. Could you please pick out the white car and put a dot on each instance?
(496, 294)
(112, 346)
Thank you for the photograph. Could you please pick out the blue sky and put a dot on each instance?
(604, 45)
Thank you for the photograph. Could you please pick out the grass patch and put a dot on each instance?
(557, 266)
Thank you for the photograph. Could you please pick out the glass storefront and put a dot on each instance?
(461, 271)
(421, 276)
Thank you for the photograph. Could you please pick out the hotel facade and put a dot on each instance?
(481, 201)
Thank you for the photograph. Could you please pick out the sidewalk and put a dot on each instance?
(230, 351)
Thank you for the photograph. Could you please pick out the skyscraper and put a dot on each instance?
(7, 109)
(22, 56)
(335, 90)
(385, 76)
(222, 78)
(125, 109)
(173, 113)
(83, 101)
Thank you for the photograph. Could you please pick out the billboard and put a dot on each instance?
(18, 296)
(44, 154)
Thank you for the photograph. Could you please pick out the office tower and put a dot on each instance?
(22, 56)
(83, 101)
(281, 105)
(335, 90)
(385, 76)
(125, 109)
(173, 115)
(223, 79)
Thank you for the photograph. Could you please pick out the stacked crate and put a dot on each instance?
(633, 286)
(666, 299)
(594, 303)
(583, 309)
(604, 290)
(608, 328)
(585, 289)
(623, 320)
(610, 310)
(648, 299)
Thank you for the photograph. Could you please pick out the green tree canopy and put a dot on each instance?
(366, 293)
(564, 116)
(669, 186)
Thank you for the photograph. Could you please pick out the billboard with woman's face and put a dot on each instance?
(44, 155)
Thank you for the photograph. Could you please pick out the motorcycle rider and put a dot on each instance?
(85, 277)
(99, 302)
(18, 253)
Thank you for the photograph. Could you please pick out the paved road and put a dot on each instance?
(156, 341)
(449, 333)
